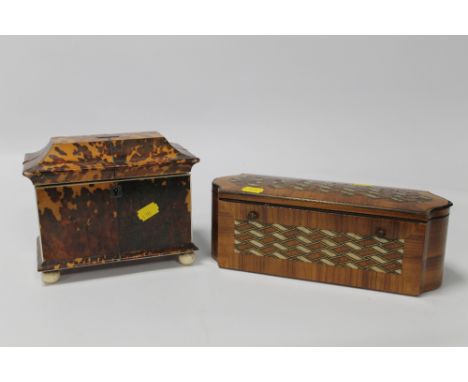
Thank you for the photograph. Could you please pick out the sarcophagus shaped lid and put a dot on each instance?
(334, 197)
(106, 157)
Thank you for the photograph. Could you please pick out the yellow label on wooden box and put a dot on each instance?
(253, 190)
(148, 211)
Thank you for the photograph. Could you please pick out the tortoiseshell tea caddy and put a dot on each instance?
(111, 199)
(363, 236)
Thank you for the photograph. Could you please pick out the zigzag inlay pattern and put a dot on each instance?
(313, 245)
(373, 192)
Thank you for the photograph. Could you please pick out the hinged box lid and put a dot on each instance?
(106, 157)
(331, 196)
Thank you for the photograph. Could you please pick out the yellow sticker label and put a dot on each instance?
(148, 211)
(254, 190)
(362, 185)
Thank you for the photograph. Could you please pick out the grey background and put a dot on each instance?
(380, 110)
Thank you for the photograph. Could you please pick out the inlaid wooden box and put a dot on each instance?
(105, 200)
(363, 236)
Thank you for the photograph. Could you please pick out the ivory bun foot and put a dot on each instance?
(50, 277)
(187, 259)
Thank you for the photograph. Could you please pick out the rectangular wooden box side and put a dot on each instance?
(214, 222)
(410, 283)
(434, 254)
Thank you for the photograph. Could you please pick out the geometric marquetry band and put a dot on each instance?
(346, 190)
(313, 245)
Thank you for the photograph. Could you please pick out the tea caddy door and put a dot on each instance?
(154, 215)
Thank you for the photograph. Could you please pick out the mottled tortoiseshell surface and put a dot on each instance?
(77, 222)
(91, 189)
(96, 158)
(88, 224)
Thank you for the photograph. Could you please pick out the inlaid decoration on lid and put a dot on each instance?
(340, 197)
(374, 192)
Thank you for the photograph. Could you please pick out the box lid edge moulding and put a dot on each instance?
(333, 196)
(106, 157)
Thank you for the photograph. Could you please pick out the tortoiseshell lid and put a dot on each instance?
(106, 157)
(339, 197)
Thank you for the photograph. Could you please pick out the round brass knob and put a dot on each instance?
(253, 215)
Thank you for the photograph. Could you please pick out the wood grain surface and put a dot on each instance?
(359, 198)
(340, 247)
